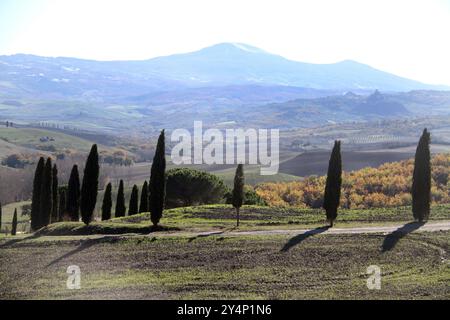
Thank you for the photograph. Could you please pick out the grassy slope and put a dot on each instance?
(322, 266)
(29, 137)
(222, 217)
(8, 212)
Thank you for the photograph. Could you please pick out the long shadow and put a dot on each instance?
(14, 241)
(205, 235)
(303, 236)
(393, 238)
(83, 246)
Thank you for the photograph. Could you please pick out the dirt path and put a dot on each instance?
(406, 228)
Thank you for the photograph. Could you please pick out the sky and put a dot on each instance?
(409, 38)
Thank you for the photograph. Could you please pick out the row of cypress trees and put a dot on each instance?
(50, 204)
(45, 205)
(45, 188)
(134, 206)
(420, 190)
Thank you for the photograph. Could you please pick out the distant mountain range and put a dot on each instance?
(226, 64)
(225, 83)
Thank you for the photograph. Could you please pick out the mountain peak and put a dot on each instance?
(230, 47)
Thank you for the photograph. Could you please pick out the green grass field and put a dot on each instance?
(222, 217)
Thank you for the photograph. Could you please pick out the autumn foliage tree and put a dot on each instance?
(421, 184)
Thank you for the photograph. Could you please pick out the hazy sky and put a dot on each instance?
(406, 37)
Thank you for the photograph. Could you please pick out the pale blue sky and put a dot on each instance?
(406, 37)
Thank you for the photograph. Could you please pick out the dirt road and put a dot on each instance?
(406, 228)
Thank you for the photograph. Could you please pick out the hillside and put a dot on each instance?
(386, 186)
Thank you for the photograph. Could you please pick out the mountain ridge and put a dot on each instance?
(222, 64)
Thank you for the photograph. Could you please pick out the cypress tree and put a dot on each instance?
(134, 198)
(89, 187)
(107, 203)
(238, 191)
(120, 202)
(14, 223)
(54, 194)
(158, 181)
(36, 196)
(421, 186)
(46, 194)
(333, 184)
(143, 207)
(62, 205)
(73, 195)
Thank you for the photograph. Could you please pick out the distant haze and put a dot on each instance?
(406, 37)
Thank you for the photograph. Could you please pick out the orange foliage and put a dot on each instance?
(386, 186)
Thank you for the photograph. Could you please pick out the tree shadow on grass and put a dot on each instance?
(393, 238)
(303, 236)
(205, 235)
(83, 246)
(17, 240)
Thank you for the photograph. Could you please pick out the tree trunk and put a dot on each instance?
(237, 215)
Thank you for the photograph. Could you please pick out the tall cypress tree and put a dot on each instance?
(238, 190)
(143, 206)
(158, 181)
(107, 203)
(73, 195)
(14, 223)
(120, 202)
(46, 194)
(89, 187)
(54, 194)
(333, 185)
(62, 204)
(134, 198)
(421, 186)
(36, 197)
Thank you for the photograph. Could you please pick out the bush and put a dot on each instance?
(251, 198)
(187, 187)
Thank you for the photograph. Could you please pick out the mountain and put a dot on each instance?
(226, 64)
(233, 63)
